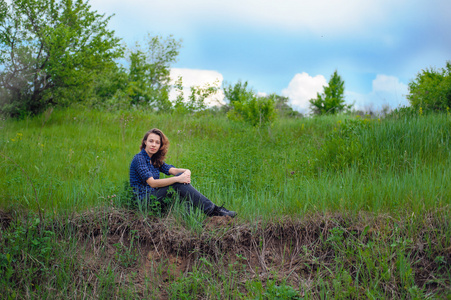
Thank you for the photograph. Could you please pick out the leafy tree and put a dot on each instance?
(109, 88)
(149, 70)
(143, 81)
(238, 92)
(332, 100)
(195, 101)
(431, 89)
(50, 52)
(283, 108)
(247, 107)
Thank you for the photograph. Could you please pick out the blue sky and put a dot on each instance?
(291, 47)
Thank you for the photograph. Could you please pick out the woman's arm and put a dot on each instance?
(185, 178)
(177, 171)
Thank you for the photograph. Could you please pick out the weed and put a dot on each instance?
(279, 292)
(126, 256)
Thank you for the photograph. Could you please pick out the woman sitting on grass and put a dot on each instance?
(145, 176)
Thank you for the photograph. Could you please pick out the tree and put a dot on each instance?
(332, 100)
(247, 107)
(144, 81)
(431, 89)
(149, 70)
(196, 99)
(50, 53)
(238, 93)
(109, 88)
(282, 107)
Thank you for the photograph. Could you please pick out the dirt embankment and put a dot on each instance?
(293, 250)
(290, 249)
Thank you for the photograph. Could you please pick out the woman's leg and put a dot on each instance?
(188, 192)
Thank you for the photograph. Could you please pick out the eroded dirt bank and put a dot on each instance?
(154, 253)
(287, 249)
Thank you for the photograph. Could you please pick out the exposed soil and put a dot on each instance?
(290, 249)
(5, 219)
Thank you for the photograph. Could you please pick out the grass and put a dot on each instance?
(76, 160)
(388, 179)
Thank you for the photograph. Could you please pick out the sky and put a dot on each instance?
(292, 47)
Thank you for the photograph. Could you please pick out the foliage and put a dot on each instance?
(29, 253)
(143, 82)
(280, 292)
(431, 89)
(238, 92)
(403, 112)
(127, 256)
(149, 70)
(109, 89)
(272, 291)
(331, 101)
(196, 99)
(125, 197)
(283, 109)
(248, 107)
(51, 52)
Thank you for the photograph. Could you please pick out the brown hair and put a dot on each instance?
(159, 157)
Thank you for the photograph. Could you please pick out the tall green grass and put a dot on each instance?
(72, 160)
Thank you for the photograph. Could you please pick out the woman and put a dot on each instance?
(145, 176)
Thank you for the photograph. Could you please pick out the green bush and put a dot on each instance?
(248, 107)
(431, 89)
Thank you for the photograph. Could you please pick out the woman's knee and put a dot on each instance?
(177, 185)
(182, 187)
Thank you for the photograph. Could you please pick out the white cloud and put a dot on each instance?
(302, 88)
(199, 78)
(194, 77)
(387, 90)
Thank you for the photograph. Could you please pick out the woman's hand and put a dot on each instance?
(185, 177)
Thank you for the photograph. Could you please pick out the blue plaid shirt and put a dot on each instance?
(142, 169)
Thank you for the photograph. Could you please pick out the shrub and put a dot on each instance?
(431, 89)
(248, 107)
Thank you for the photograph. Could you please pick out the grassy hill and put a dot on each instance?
(75, 160)
(342, 206)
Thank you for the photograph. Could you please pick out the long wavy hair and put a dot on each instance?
(159, 157)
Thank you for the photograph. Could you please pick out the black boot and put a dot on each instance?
(221, 211)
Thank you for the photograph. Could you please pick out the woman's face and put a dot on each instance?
(153, 144)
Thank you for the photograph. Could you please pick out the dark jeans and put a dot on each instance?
(186, 192)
